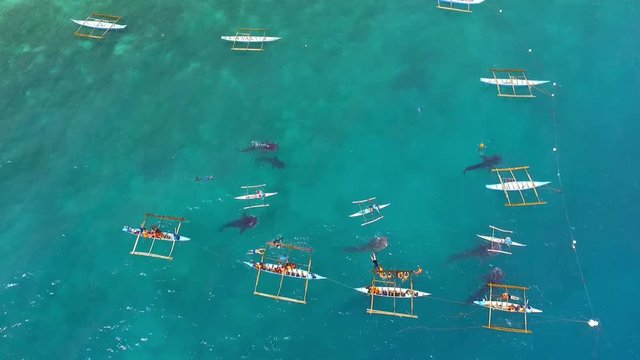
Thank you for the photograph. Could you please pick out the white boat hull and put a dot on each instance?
(295, 273)
(151, 235)
(513, 82)
(101, 25)
(250, 39)
(507, 306)
(392, 292)
(255, 196)
(517, 185)
(463, 2)
(368, 210)
(500, 240)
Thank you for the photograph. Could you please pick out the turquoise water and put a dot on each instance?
(93, 135)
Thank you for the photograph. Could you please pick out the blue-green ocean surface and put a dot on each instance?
(377, 98)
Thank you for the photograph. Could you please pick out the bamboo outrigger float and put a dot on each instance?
(516, 78)
(511, 183)
(458, 5)
(283, 267)
(156, 234)
(249, 38)
(97, 26)
(501, 299)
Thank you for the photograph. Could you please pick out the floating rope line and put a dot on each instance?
(564, 203)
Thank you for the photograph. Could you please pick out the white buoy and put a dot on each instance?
(555, 149)
(593, 323)
(500, 10)
(530, 50)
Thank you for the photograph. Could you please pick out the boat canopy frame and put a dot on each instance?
(150, 253)
(248, 46)
(451, 6)
(512, 177)
(513, 74)
(501, 297)
(93, 33)
(389, 278)
(276, 295)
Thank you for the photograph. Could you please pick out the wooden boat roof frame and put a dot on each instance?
(276, 295)
(113, 19)
(249, 32)
(386, 282)
(150, 253)
(525, 329)
(524, 202)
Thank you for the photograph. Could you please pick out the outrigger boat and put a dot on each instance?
(278, 269)
(285, 267)
(370, 209)
(507, 306)
(513, 82)
(155, 234)
(392, 292)
(250, 39)
(99, 24)
(500, 297)
(257, 195)
(247, 39)
(512, 185)
(458, 5)
(500, 241)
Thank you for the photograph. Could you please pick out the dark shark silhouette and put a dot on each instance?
(274, 161)
(480, 251)
(377, 243)
(262, 146)
(488, 162)
(495, 276)
(244, 223)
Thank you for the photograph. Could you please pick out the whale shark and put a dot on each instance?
(274, 161)
(495, 276)
(488, 162)
(375, 244)
(244, 223)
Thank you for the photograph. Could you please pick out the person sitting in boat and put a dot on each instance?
(259, 194)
